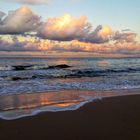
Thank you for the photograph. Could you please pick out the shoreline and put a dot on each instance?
(13, 107)
(111, 118)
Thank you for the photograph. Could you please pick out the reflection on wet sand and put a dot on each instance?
(17, 106)
(27, 101)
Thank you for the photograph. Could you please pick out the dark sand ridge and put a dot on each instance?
(115, 118)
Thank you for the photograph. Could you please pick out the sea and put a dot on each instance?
(33, 84)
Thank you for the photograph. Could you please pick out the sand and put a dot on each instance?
(115, 118)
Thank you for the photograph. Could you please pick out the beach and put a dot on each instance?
(69, 70)
(112, 118)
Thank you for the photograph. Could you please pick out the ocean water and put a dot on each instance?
(29, 75)
(36, 75)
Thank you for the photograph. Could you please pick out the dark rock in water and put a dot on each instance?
(34, 77)
(19, 78)
(39, 76)
(63, 66)
(72, 76)
(20, 67)
(16, 78)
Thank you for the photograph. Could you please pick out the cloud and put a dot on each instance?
(68, 28)
(15, 44)
(33, 44)
(64, 28)
(19, 21)
(62, 34)
(125, 48)
(100, 35)
(122, 36)
(30, 2)
(2, 14)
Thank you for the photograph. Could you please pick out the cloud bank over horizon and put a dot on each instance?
(66, 32)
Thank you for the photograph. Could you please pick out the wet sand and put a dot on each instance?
(114, 118)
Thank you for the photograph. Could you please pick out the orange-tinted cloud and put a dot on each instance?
(62, 34)
(64, 28)
(32, 44)
(67, 28)
(100, 35)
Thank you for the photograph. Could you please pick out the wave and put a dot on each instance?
(73, 71)
(32, 67)
(96, 73)
(38, 86)
(60, 71)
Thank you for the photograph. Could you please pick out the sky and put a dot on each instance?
(95, 26)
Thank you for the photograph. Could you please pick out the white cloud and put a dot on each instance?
(19, 21)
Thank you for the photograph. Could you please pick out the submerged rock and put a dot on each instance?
(20, 67)
(59, 66)
(18, 78)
